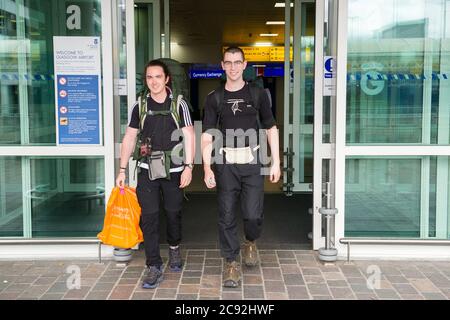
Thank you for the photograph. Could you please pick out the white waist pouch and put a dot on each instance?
(242, 155)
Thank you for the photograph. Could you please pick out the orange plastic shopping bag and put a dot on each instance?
(121, 226)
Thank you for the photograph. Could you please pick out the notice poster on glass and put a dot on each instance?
(329, 73)
(77, 90)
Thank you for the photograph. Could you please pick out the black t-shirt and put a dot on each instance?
(160, 127)
(238, 111)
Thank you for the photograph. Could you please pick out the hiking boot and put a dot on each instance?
(232, 275)
(249, 253)
(175, 263)
(153, 277)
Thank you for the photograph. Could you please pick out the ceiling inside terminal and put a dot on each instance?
(227, 22)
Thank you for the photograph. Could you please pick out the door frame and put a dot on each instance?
(131, 62)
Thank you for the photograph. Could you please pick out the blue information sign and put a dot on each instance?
(78, 102)
(78, 96)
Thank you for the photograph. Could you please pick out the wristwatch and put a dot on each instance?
(189, 165)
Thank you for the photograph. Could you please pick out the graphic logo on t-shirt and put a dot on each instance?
(235, 105)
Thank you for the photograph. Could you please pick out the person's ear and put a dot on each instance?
(167, 79)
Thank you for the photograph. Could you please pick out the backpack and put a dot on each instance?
(255, 92)
(143, 113)
(179, 89)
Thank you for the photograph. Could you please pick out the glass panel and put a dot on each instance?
(11, 200)
(122, 40)
(306, 121)
(397, 197)
(382, 197)
(27, 100)
(399, 72)
(327, 47)
(69, 197)
(143, 26)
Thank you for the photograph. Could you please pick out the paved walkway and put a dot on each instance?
(283, 274)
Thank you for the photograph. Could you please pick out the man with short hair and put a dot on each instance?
(238, 107)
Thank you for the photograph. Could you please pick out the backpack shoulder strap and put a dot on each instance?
(175, 110)
(142, 111)
(255, 93)
(218, 98)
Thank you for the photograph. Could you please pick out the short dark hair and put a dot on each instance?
(233, 49)
(155, 63)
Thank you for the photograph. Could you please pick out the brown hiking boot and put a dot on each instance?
(231, 275)
(249, 253)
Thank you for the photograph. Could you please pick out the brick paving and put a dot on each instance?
(281, 275)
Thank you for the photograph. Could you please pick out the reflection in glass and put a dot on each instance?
(70, 197)
(398, 197)
(27, 100)
(382, 198)
(398, 72)
(306, 104)
(143, 21)
(11, 199)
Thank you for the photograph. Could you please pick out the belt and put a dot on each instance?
(176, 169)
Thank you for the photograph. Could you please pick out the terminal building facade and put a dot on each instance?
(361, 93)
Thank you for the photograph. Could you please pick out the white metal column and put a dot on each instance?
(426, 139)
(131, 76)
(341, 113)
(318, 150)
(108, 97)
(131, 61)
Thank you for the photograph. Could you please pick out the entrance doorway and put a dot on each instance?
(289, 77)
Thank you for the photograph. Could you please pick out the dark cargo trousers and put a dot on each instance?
(149, 195)
(236, 182)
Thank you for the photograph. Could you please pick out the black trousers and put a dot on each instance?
(236, 182)
(149, 195)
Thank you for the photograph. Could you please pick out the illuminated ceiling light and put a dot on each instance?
(268, 34)
(274, 22)
(263, 44)
(282, 5)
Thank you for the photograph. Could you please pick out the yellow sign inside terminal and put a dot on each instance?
(265, 54)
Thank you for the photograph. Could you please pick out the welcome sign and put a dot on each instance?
(77, 90)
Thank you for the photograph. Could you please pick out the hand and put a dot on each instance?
(186, 177)
(275, 173)
(120, 180)
(210, 179)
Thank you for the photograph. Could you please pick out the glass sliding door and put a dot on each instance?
(303, 98)
(398, 94)
(143, 25)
